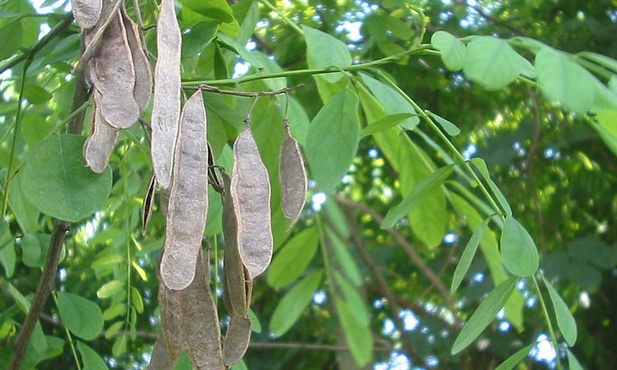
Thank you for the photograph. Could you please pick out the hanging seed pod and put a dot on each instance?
(113, 77)
(94, 36)
(292, 176)
(166, 105)
(188, 199)
(100, 144)
(86, 12)
(237, 340)
(250, 190)
(169, 303)
(143, 74)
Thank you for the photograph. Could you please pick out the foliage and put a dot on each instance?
(492, 124)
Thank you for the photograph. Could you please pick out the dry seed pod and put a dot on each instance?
(199, 320)
(94, 36)
(100, 144)
(169, 303)
(166, 105)
(233, 269)
(188, 199)
(113, 77)
(161, 358)
(236, 340)
(86, 12)
(292, 176)
(143, 74)
(250, 191)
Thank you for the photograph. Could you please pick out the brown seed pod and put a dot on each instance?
(292, 176)
(113, 77)
(100, 144)
(236, 340)
(86, 12)
(188, 199)
(146, 210)
(233, 269)
(250, 191)
(143, 73)
(94, 36)
(166, 105)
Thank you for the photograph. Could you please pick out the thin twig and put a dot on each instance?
(408, 248)
(42, 292)
(249, 94)
(309, 346)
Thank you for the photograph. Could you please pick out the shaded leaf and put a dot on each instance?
(518, 249)
(449, 127)
(565, 320)
(91, 359)
(325, 51)
(293, 258)
(80, 316)
(358, 335)
(573, 361)
(385, 123)
(217, 9)
(516, 358)
(467, 256)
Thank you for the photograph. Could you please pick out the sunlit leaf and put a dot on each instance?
(452, 50)
(565, 320)
(81, 316)
(518, 249)
(110, 289)
(289, 309)
(484, 315)
(325, 51)
(217, 9)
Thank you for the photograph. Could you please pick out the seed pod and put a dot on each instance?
(250, 191)
(233, 270)
(292, 176)
(236, 340)
(113, 77)
(86, 12)
(100, 144)
(94, 36)
(188, 199)
(166, 105)
(143, 74)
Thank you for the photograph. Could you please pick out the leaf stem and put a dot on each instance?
(283, 16)
(551, 331)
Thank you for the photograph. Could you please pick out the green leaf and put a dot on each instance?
(325, 51)
(332, 139)
(516, 358)
(358, 336)
(137, 301)
(36, 94)
(8, 258)
(293, 258)
(289, 309)
(467, 256)
(113, 329)
(563, 80)
(520, 255)
(417, 195)
(11, 44)
(492, 62)
(110, 289)
(80, 316)
(119, 347)
(607, 128)
(240, 50)
(91, 359)
(484, 315)
(573, 362)
(114, 311)
(501, 199)
(353, 299)
(239, 366)
(25, 212)
(452, 50)
(392, 101)
(565, 320)
(449, 127)
(58, 182)
(385, 123)
(34, 247)
(344, 258)
(255, 323)
(217, 9)
(601, 60)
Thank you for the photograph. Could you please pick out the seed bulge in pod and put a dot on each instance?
(86, 12)
(113, 77)
(292, 176)
(143, 74)
(166, 104)
(250, 190)
(188, 198)
(100, 144)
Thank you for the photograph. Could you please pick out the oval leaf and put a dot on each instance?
(484, 315)
(357, 334)
(293, 258)
(293, 303)
(91, 359)
(452, 50)
(80, 316)
(332, 139)
(565, 320)
(492, 62)
(518, 249)
(58, 182)
(324, 51)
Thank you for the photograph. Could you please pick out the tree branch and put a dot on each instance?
(42, 292)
